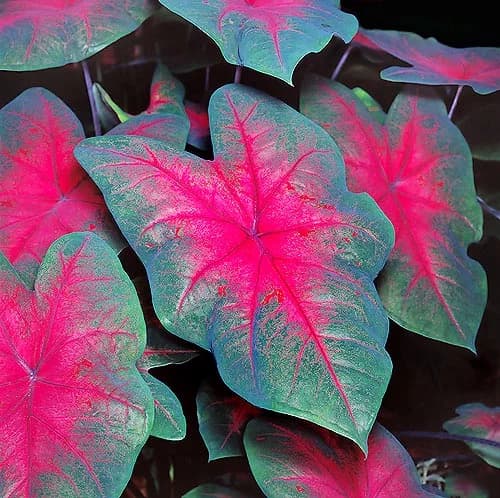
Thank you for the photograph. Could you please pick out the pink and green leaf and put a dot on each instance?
(44, 193)
(433, 63)
(51, 33)
(261, 256)
(222, 417)
(165, 118)
(295, 459)
(418, 168)
(69, 384)
(478, 420)
(269, 36)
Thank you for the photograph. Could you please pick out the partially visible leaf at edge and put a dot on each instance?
(44, 193)
(75, 411)
(222, 417)
(433, 63)
(295, 459)
(478, 420)
(270, 36)
(51, 33)
(261, 256)
(418, 169)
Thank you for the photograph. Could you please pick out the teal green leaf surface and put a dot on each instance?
(261, 256)
(269, 36)
(433, 63)
(52, 33)
(222, 416)
(418, 168)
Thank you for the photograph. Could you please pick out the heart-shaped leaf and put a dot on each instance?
(478, 420)
(51, 33)
(44, 193)
(75, 411)
(260, 255)
(295, 459)
(270, 36)
(418, 168)
(433, 63)
(222, 417)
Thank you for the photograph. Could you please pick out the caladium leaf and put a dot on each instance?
(270, 36)
(370, 103)
(478, 420)
(260, 255)
(75, 411)
(418, 168)
(433, 63)
(163, 349)
(214, 491)
(38, 35)
(169, 421)
(222, 417)
(44, 193)
(164, 119)
(294, 459)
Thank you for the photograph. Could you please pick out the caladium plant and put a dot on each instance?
(268, 230)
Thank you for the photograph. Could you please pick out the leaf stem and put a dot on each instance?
(489, 209)
(237, 74)
(206, 85)
(448, 436)
(93, 107)
(455, 101)
(341, 62)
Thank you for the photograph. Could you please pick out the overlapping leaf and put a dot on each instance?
(419, 170)
(44, 193)
(261, 256)
(270, 36)
(162, 349)
(433, 63)
(222, 417)
(478, 420)
(51, 33)
(165, 118)
(293, 459)
(75, 411)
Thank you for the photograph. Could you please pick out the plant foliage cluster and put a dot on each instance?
(279, 236)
